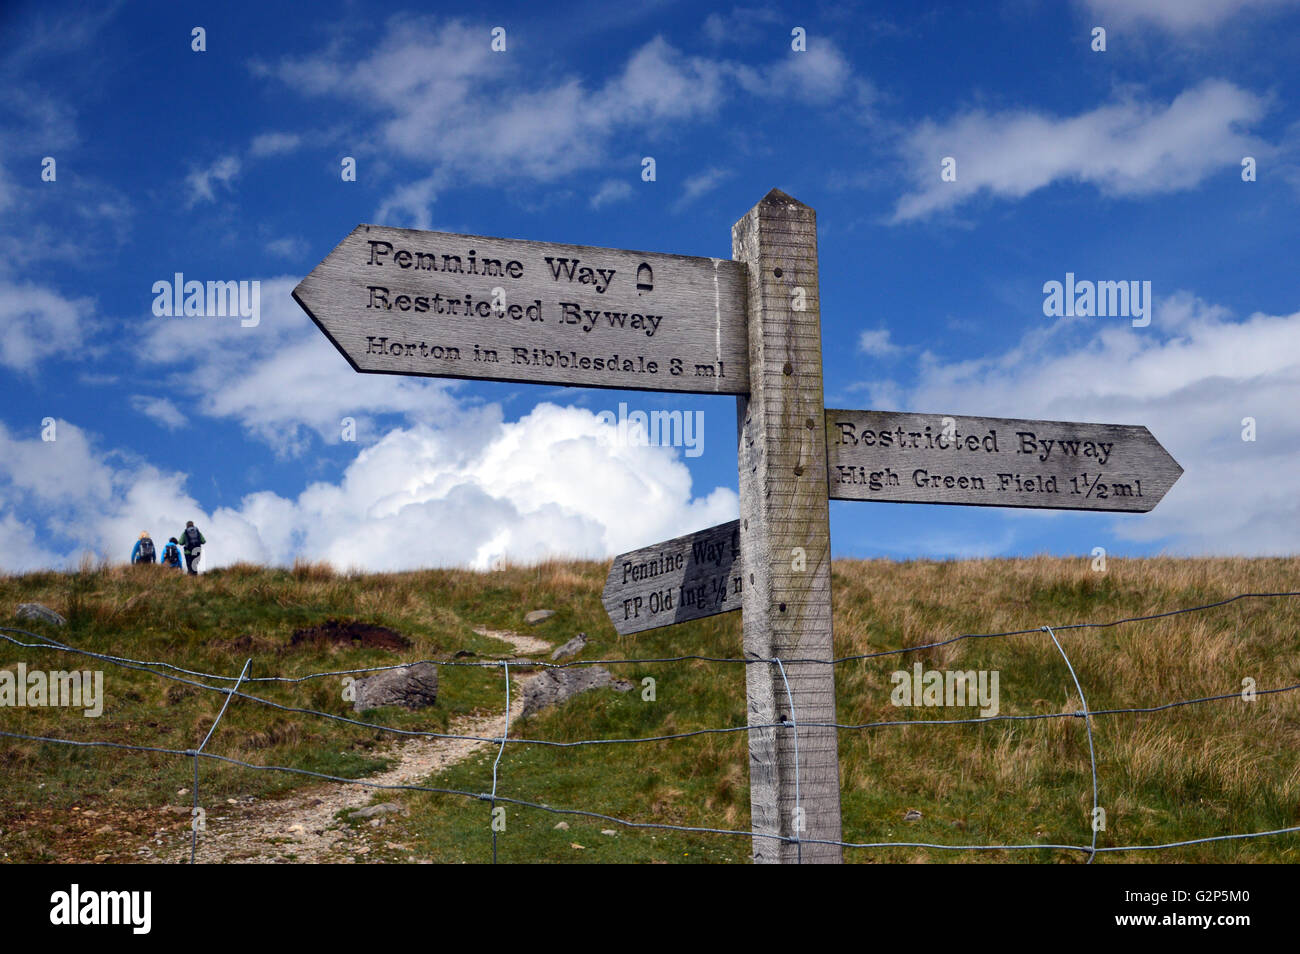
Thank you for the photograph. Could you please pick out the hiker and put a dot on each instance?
(143, 551)
(172, 554)
(192, 540)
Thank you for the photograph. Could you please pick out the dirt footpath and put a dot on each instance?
(303, 828)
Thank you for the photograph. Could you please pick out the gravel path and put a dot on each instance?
(303, 827)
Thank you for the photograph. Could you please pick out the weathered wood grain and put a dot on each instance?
(995, 462)
(687, 577)
(394, 301)
(785, 539)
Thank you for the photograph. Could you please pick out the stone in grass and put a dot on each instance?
(537, 616)
(412, 687)
(43, 613)
(558, 685)
(383, 808)
(571, 648)
(912, 815)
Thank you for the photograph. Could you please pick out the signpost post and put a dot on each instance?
(785, 540)
(397, 301)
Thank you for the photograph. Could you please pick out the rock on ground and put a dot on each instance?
(557, 685)
(414, 687)
(571, 648)
(537, 616)
(37, 611)
(383, 808)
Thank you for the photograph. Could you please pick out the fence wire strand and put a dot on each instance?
(175, 673)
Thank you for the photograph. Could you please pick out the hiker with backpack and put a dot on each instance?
(143, 551)
(191, 541)
(171, 556)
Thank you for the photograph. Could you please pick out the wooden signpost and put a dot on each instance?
(396, 301)
(995, 462)
(688, 577)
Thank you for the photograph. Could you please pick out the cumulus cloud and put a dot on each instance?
(1131, 147)
(282, 380)
(1191, 378)
(556, 483)
(1178, 16)
(877, 343)
(38, 323)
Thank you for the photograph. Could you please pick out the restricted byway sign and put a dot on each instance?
(399, 301)
(680, 579)
(994, 462)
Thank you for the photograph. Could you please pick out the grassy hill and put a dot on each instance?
(1215, 768)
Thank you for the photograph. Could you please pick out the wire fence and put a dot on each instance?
(205, 680)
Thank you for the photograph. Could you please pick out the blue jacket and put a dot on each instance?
(180, 563)
(135, 552)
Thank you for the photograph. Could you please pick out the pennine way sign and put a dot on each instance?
(995, 462)
(398, 301)
(689, 577)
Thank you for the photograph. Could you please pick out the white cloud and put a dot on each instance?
(291, 246)
(815, 74)
(699, 184)
(744, 25)
(1130, 147)
(466, 492)
(437, 93)
(1191, 377)
(611, 190)
(161, 410)
(20, 550)
(274, 144)
(38, 323)
(201, 182)
(411, 204)
(1178, 15)
(282, 380)
(555, 482)
(876, 343)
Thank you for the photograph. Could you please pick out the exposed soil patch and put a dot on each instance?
(248, 643)
(339, 633)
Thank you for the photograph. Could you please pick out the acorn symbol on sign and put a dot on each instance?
(645, 278)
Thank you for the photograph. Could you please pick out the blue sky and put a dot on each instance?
(1122, 164)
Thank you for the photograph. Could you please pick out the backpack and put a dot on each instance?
(192, 537)
(172, 555)
(146, 550)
